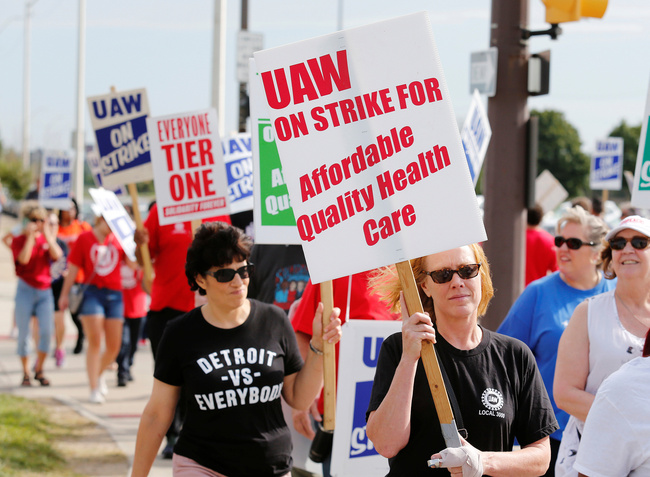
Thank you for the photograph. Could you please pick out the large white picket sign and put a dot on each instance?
(189, 172)
(273, 216)
(353, 454)
(117, 218)
(56, 180)
(641, 191)
(370, 148)
(119, 121)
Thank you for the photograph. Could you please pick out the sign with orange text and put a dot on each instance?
(189, 172)
(370, 149)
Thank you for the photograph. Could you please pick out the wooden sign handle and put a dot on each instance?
(144, 248)
(329, 360)
(428, 353)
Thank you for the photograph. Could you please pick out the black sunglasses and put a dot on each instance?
(446, 274)
(36, 219)
(619, 243)
(573, 243)
(225, 275)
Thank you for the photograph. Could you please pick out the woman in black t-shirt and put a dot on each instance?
(499, 390)
(233, 358)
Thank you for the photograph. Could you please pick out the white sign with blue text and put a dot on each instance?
(92, 159)
(475, 135)
(117, 219)
(353, 454)
(120, 123)
(56, 180)
(238, 156)
(607, 165)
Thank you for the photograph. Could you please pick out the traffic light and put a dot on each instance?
(560, 11)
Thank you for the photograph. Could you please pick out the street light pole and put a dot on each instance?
(26, 80)
(505, 184)
(80, 145)
(219, 62)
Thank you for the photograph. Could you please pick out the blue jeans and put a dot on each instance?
(30, 302)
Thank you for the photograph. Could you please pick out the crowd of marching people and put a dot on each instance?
(554, 370)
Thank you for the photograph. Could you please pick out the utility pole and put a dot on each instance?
(244, 109)
(218, 100)
(80, 143)
(26, 80)
(505, 181)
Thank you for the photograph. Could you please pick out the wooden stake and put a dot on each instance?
(144, 248)
(329, 360)
(428, 354)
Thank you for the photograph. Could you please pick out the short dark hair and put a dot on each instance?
(535, 215)
(215, 244)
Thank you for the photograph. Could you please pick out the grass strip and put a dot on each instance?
(27, 437)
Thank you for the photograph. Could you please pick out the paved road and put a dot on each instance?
(120, 414)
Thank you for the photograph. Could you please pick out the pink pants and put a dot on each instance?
(185, 467)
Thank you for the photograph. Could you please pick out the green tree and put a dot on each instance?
(559, 152)
(631, 136)
(14, 177)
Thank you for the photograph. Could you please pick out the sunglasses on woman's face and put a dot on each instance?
(36, 219)
(572, 242)
(637, 242)
(446, 274)
(225, 275)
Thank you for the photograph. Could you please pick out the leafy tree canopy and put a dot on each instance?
(559, 152)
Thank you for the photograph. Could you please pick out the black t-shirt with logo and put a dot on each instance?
(232, 382)
(499, 390)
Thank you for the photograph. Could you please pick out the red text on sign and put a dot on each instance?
(389, 225)
(418, 93)
(183, 154)
(311, 79)
(191, 184)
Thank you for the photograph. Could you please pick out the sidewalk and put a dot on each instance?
(120, 415)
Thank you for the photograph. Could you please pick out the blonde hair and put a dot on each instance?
(32, 208)
(385, 283)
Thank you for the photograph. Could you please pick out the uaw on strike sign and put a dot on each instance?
(189, 172)
(370, 149)
(119, 121)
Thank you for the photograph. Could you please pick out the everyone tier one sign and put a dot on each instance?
(370, 149)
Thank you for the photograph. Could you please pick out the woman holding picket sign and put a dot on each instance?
(99, 254)
(232, 358)
(492, 380)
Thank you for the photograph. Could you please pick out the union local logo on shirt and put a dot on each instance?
(105, 258)
(492, 399)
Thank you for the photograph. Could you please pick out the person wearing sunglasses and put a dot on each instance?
(230, 360)
(499, 393)
(604, 332)
(33, 252)
(541, 313)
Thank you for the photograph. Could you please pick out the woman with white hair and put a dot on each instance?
(604, 332)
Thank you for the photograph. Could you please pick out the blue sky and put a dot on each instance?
(600, 69)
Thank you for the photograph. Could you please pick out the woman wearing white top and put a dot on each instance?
(604, 332)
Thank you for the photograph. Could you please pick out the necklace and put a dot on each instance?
(628, 309)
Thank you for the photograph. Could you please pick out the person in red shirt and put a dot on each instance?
(33, 251)
(135, 309)
(70, 227)
(98, 253)
(171, 295)
(540, 247)
(352, 296)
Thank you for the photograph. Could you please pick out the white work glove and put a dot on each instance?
(467, 457)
